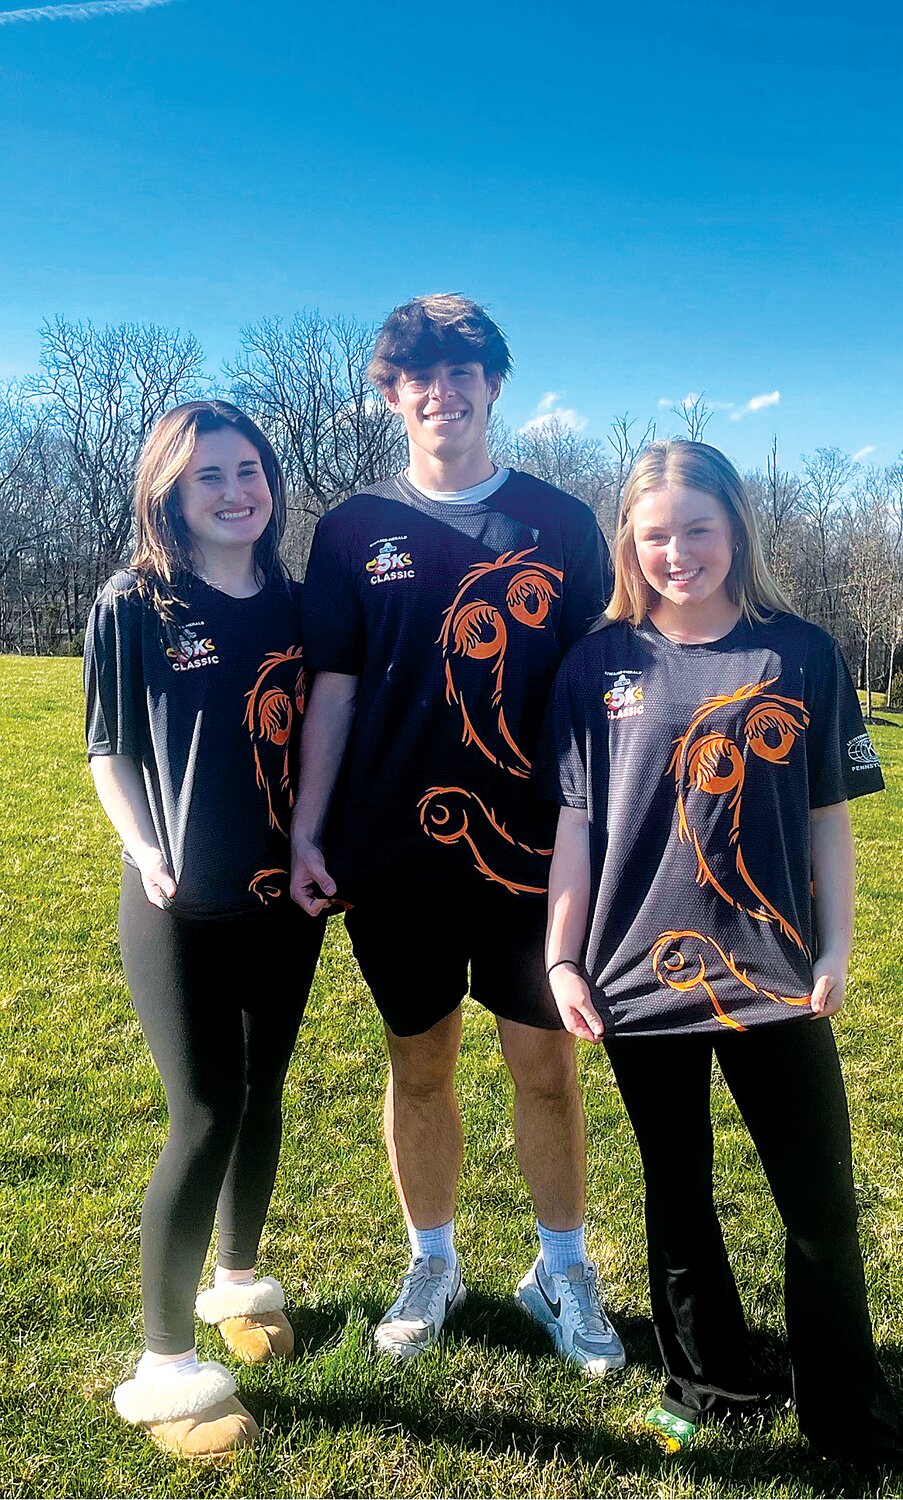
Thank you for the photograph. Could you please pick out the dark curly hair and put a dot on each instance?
(428, 330)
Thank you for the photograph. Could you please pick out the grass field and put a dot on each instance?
(490, 1412)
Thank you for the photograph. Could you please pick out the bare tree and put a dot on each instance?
(775, 494)
(102, 389)
(306, 383)
(695, 416)
(626, 446)
(825, 480)
(893, 491)
(556, 451)
(868, 579)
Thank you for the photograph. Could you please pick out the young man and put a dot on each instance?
(437, 607)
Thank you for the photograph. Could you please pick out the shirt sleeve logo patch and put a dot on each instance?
(624, 699)
(192, 650)
(391, 562)
(863, 753)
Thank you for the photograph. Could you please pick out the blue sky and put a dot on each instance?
(652, 200)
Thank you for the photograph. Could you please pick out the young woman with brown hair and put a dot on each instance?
(194, 695)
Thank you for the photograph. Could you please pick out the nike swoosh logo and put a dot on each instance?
(554, 1307)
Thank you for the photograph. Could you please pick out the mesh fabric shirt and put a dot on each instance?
(454, 618)
(698, 765)
(210, 712)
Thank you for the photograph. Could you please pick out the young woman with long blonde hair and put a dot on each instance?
(703, 747)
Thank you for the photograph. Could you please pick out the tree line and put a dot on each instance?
(69, 436)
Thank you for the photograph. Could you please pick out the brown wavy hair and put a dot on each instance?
(427, 330)
(162, 557)
(697, 466)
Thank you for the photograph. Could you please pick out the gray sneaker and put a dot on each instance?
(567, 1306)
(430, 1292)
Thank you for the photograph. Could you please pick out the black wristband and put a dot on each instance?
(559, 962)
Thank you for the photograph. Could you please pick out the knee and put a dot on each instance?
(205, 1131)
(422, 1068)
(823, 1241)
(420, 1083)
(545, 1073)
(263, 1096)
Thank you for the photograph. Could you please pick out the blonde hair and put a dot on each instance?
(697, 466)
(162, 556)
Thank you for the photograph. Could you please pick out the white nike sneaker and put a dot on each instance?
(567, 1306)
(430, 1292)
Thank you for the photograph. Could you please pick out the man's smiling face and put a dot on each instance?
(445, 409)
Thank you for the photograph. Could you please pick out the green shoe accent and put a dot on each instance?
(674, 1432)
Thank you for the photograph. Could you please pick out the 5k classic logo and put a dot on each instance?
(391, 563)
(624, 699)
(192, 649)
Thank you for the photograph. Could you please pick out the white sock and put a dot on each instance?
(440, 1241)
(226, 1277)
(561, 1248)
(170, 1364)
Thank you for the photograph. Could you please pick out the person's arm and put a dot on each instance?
(587, 578)
(569, 898)
(123, 798)
(328, 717)
(834, 876)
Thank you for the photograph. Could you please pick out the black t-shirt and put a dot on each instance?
(698, 765)
(211, 714)
(455, 618)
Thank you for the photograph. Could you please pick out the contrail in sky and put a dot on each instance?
(87, 10)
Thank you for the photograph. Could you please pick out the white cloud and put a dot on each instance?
(863, 452)
(686, 400)
(690, 398)
(564, 416)
(87, 10)
(756, 403)
(547, 411)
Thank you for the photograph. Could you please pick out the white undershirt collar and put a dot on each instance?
(472, 496)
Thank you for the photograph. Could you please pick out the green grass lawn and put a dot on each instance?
(489, 1412)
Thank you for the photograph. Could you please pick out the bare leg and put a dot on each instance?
(548, 1121)
(421, 1121)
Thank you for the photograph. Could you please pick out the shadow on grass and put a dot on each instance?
(753, 1458)
(494, 1430)
(490, 1321)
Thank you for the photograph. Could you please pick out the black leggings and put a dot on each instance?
(787, 1084)
(220, 1003)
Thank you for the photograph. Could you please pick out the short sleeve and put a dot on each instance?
(559, 771)
(843, 763)
(115, 708)
(587, 577)
(332, 617)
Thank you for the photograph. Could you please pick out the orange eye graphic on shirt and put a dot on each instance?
(714, 764)
(274, 706)
(275, 716)
(529, 596)
(494, 602)
(771, 731)
(717, 763)
(480, 631)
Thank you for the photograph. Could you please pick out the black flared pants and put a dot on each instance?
(788, 1087)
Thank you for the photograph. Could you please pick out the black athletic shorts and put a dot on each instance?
(414, 951)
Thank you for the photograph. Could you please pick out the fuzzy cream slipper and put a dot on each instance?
(196, 1415)
(250, 1319)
